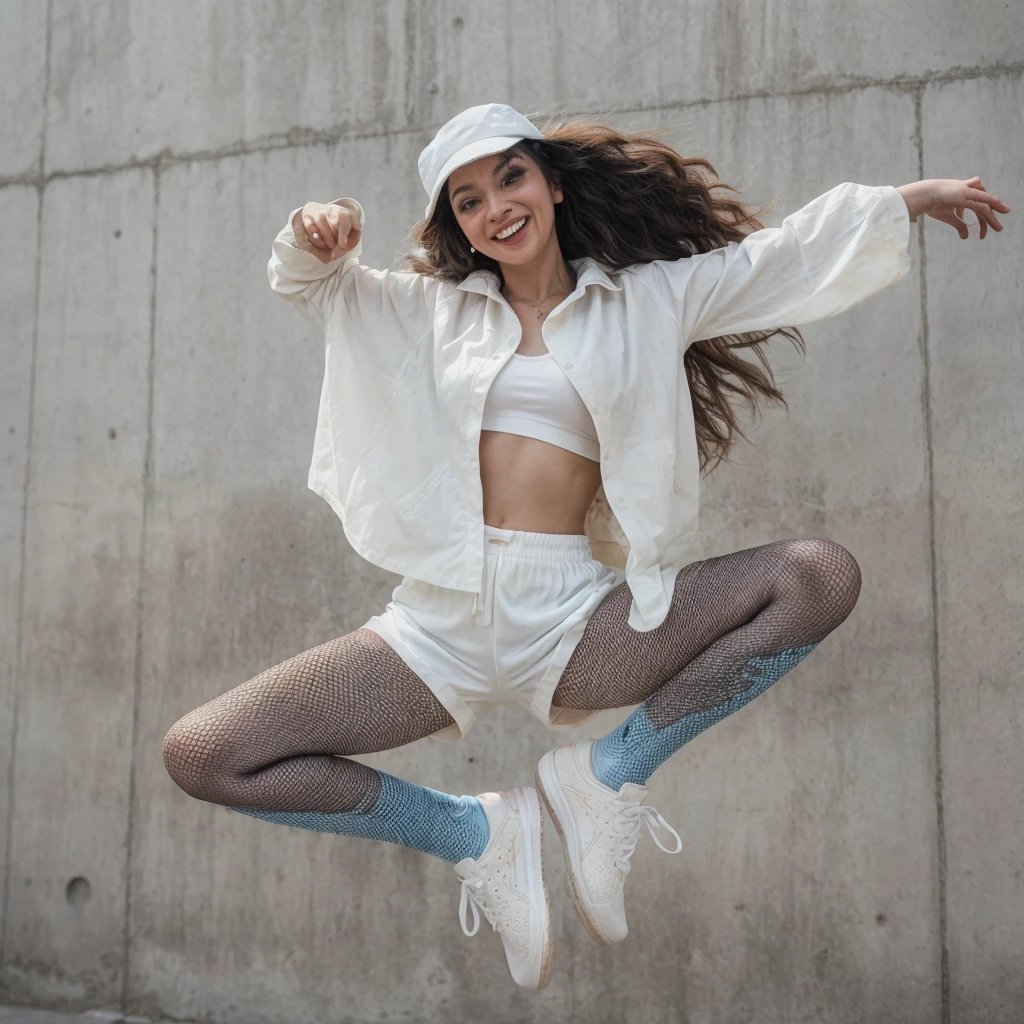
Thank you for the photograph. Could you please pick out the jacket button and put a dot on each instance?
(568, 366)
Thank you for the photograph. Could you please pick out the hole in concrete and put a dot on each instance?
(880, 919)
(78, 891)
(458, 24)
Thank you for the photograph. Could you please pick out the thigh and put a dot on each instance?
(615, 665)
(351, 695)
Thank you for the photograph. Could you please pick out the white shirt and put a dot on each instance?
(409, 361)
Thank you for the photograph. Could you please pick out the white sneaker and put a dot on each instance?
(599, 829)
(507, 883)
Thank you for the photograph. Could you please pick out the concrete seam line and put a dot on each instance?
(296, 138)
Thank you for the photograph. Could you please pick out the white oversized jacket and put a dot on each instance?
(409, 360)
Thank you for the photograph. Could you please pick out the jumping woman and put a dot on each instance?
(517, 423)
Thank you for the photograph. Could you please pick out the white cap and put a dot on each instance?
(476, 132)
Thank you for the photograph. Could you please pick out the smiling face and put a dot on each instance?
(505, 206)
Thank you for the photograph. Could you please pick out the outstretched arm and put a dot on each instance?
(831, 254)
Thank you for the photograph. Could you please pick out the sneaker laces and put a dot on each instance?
(631, 817)
(474, 894)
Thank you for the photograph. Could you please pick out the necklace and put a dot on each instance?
(544, 299)
(541, 314)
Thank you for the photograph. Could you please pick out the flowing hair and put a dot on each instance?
(628, 199)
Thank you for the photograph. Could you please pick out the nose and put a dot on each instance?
(497, 210)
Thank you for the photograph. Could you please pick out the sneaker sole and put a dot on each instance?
(543, 768)
(529, 813)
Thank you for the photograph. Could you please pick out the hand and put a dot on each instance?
(945, 199)
(329, 231)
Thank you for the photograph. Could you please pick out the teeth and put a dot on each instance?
(511, 229)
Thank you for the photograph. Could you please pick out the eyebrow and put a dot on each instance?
(501, 163)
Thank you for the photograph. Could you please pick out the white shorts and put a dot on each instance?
(539, 591)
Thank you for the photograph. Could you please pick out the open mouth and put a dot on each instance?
(513, 232)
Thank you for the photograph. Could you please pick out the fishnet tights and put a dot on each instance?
(725, 611)
(269, 743)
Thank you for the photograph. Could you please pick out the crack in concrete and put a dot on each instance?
(302, 136)
(940, 818)
(140, 593)
(30, 426)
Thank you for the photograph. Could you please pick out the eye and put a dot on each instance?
(513, 176)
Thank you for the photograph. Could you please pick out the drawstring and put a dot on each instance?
(483, 582)
(479, 593)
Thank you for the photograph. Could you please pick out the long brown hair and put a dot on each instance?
(628, 199)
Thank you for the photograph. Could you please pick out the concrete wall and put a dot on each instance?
(853, 842)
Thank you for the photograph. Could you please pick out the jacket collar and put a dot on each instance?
(588, 272)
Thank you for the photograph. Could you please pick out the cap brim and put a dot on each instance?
(466, 155)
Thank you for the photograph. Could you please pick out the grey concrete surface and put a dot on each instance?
(18, 215)
(194, 76)
(76, 699)
(975, 311)
(23, 49)
(851, 842)
(28, 1015)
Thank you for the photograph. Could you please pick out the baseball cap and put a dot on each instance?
(477, 131)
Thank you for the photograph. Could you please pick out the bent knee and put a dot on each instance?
(825, 573)
(194, 758)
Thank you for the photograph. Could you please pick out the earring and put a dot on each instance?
(471, 249)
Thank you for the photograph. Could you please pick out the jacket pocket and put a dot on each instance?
(410, 504)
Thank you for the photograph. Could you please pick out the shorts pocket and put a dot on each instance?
(426, 603)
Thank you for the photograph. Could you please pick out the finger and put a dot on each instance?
(342, 226)
(977, 213)
(326, 231)
(309, 226)
(985, 215)
(986, 197)
(954, 221)
(350, 241)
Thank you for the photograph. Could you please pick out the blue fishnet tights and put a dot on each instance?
(737, 624)
(269, 747)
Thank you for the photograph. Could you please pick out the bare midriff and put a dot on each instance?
(532, 485)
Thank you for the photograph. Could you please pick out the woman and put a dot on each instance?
(517, 423)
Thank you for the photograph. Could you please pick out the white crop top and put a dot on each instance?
(532, 396)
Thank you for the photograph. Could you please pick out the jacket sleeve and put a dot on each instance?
(827, 256)
(389, 303)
